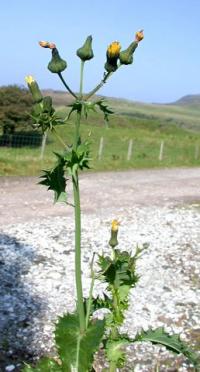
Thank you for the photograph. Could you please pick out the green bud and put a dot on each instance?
(34, 89)
(85, 53)
(114, 231)
(57, 64)
(126, 56)
(111, 65)
(47, 105)
(113, 240)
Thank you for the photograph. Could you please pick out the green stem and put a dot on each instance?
(77, 131)
(79, 290)
(59, 138)
(112, 367)
(66, 86)
(81, 80)
(91, 291)
(103, 81)
(75, 180)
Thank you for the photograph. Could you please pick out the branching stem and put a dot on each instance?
(99, 86)
(66, 85)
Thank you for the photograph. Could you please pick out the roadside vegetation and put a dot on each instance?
(146, 125)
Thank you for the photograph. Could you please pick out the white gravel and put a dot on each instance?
(37, 278)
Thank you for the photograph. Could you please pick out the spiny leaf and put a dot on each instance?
(44, 365)
(76, 106)
(171, 342)
(104, 108)
(115, 351)
(77, 350)
(55, 180)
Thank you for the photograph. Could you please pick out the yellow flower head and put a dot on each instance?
(46, 44)
(29, 79)
(114, 49)
(139, 36)
(115, 225)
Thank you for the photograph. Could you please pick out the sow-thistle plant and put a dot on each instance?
(78, 336)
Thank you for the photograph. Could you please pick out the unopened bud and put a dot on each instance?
(85, 53)
(126, 56)
(113, 242)
(57, 64)
(34, 89)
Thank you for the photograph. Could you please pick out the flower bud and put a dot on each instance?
(47, 105)
(57, 64)
(113, 242)
(85, 53)
(34, 89)
(112, 55)
(126, 56)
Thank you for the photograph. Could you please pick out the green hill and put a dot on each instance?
(184, 113)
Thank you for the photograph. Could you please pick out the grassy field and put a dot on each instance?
(180, 145)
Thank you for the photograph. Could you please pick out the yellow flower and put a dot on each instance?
(114, 49)
(139, 36)
(115, 225)
(46, 44)
(29, 79)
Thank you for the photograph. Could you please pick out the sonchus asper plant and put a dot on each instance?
(78, 336)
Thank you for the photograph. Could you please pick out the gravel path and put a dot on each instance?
(159, 207)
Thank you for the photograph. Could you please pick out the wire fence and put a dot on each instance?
(130, 150)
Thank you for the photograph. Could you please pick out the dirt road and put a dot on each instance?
(21, 199)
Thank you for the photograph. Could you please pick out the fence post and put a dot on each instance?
(196, 155)
(101, 145)
(44, 140)
(130, 147)
(161, 151)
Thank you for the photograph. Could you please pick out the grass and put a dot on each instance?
(179, 146)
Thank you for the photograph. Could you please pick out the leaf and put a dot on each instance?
(76, 106)
(115, 351)
(104, 108)
(171, 342)
(44, 365)
(55, 180)
(77, 350)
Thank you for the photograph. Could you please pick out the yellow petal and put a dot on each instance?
(115, 225)
(114, 49)
(29, 79)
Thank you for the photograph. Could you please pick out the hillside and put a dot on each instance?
(185, 112)
(189, 100)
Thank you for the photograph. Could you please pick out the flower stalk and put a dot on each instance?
(66, 85)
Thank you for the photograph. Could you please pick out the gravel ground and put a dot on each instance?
(37, 268)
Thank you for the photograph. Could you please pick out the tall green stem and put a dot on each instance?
(79, 290)
(81, 79)
(75, 180)
(91, 292)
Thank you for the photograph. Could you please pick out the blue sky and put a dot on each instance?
(166, 65)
